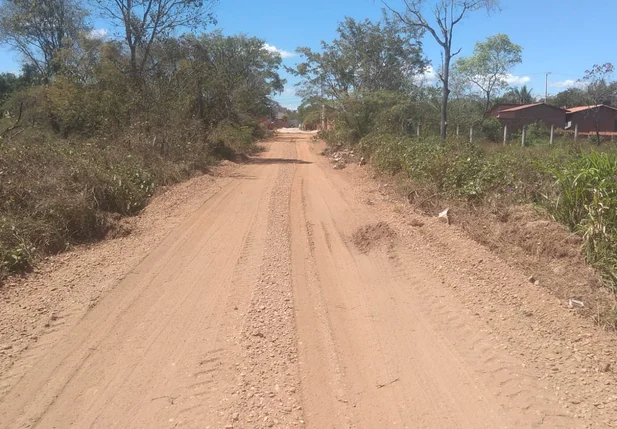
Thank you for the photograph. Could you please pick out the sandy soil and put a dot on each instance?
(284, 293)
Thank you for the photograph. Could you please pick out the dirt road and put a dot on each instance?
(296, 296)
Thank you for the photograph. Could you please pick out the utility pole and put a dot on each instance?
(546, 87)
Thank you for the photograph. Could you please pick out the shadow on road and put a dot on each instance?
(267, 161)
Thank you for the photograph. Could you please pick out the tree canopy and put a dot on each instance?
(439, 18)
(522, 95)
(367, 56)
(40, 29)
(145, 22)
(490, 64)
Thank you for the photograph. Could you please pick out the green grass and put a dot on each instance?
(575, 182)
(587, 204)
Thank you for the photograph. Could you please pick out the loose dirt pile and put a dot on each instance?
(525, 238)
(371, 236)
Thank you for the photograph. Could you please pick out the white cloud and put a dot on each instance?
(289, 90)
(428, 77)
(283, 53)
(568, 83)
(514, 80)
(97, 33)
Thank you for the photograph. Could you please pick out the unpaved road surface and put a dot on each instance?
(295, 295)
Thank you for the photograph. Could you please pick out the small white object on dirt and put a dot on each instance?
(444, 216)
(575, 303)
(362, 161)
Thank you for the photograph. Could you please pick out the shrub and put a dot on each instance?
(537, 133)
(491, 129)
(586, 204)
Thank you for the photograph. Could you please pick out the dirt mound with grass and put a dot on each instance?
(526, 238)
(371, 236)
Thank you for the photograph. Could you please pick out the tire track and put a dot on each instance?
(504, 376)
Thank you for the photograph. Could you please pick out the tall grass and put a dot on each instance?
(587, 203)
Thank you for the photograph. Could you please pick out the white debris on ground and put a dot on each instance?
(340, 157)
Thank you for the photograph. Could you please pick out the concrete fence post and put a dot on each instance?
(576, 132)
(457, 130)
(471, 134)
(552, 134)
(505, 134)
(524, 135)
(419, 131)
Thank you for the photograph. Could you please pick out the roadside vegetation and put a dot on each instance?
(93, 124)
(384, 107)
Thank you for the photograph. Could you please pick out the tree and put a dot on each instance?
(383, 55)
(522, 95)
(570, 97)
(598, 91)
(145, 22)
(309, 112)
(228, 78)
(490, 64)
(39, 29)
(366, 57)
(446, 15)
(368, 65)
(8, 84)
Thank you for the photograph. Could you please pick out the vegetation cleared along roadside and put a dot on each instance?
(93, 125)
(575, 184)
(383, 108)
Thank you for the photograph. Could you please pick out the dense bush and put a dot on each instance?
(459, 169)
(492, 130)
(93, 143)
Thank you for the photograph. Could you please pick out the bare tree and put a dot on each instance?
(143, 22)
(446, 14)
(39, 29)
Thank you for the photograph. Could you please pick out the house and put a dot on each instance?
(493, 111)
(517, 116)
(587, 117)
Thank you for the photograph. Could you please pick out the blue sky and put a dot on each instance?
(564, 37)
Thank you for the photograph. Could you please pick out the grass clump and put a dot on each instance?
(587, 202)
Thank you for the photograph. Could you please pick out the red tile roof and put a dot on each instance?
(521, 107)
(581, 108)
(527, 106)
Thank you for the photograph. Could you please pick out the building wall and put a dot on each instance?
(586, 120)
(518, 118)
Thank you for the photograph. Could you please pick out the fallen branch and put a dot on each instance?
(413, 195)
(379, 386)
(429, 198)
